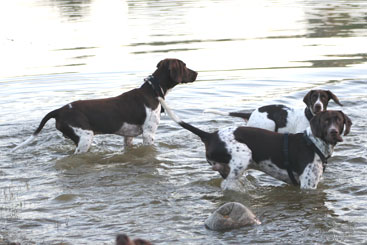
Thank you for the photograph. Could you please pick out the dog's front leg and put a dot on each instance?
(150, 126)
(239, 162)
(148, 137)
(311, 176)
(149, 129)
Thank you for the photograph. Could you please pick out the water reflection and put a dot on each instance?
(341, 60)
(335, 19)
(248, 53)
(73, 10)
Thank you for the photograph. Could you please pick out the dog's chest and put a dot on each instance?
(153, 117)
(130, 130)
(151, 122)
(312, 174)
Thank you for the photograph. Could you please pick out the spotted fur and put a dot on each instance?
(311, 175)
(233, 150)
(283, 119)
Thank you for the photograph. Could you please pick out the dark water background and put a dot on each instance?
(247, 53)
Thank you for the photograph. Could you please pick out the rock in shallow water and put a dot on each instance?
(229, 216)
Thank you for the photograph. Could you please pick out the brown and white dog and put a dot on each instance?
(130, 114)
(283, 119)
(297, 159)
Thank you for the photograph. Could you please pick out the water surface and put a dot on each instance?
(247, 53)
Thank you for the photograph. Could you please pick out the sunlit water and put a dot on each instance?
(247, 53)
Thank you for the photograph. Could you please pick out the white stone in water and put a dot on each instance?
(229, 216)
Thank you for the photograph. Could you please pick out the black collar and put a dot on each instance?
(308, 114)
(154, 83)
(316, 150)
(286, 160)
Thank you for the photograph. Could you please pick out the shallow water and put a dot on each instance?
(247, 53)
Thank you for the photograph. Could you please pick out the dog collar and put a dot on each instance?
(308, 114)
(154, 83)
(322, 149)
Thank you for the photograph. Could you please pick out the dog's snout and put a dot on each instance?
(318, 107)
(191, 76)
(334, 135)
(194, 74)
(334, 131)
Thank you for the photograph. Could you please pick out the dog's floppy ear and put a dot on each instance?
(315, 124)
(176, 69)
(348, 123)
(307, 98)
(333, 97)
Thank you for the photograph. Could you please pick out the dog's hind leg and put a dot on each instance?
(81, 138)
(85, 140)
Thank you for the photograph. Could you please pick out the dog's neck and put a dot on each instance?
(154, 83)
(324, 148)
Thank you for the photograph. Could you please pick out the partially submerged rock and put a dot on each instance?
(229, 216)
(123, 239)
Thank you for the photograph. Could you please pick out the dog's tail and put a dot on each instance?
(52, 114)
(244, 115)
(202, 134)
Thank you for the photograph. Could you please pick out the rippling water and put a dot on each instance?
(247, 53)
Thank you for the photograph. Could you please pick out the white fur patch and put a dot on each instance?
(240, 161)
(130, 130)
(260, 120)
(151, 124)
(296, 121)
(85, 139)
(311, 175)
(272, 169)
(29, 140)
(148, 128)
(70, 106)
(318, 102)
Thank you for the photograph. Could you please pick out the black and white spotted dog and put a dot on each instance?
(297, 159)
(130, 114)
(283, 119)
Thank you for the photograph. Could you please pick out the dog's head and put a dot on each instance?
(123, 239)
(318, 100)
(329, 125)
(173, 72)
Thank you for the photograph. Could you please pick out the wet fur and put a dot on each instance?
(233, 150)
(284, 119)
(130, 114)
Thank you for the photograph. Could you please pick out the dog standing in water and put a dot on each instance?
(283, 119)
(297, 159)
(130, 114)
